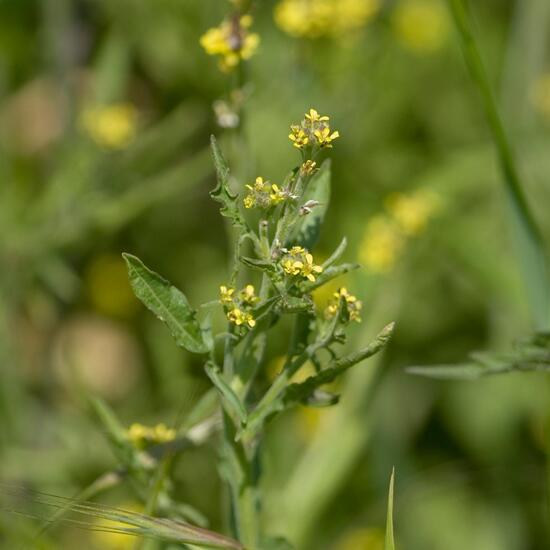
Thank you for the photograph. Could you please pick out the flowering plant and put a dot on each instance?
(290, 219)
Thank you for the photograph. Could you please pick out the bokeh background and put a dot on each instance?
(105, 115)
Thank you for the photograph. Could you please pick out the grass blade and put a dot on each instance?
(531, 250)
(390, 542)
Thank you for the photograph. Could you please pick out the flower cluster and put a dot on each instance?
(318, 18)
(232, 41)
(353, 304)
(111, 126)
(298, 261)
(386, 234)
(263, 194)
(238, 305)
(141, 436)
(314, 131)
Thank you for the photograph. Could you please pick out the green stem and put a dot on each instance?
(532, 253)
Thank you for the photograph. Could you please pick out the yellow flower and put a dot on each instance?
(264, 195)
(309, 268)
(411, 212)
(277, 195)
(249, 201)
(308, 167)
(313, 130)
(298, 261)
(325, 137)
(111, 540)
(354, 305)
(231, 41)
(317, 18)
(313, 116)
(141, 435)
(226, 294)
(240, 317)
(111, 126)
(248, 295)
(299, 138)
(421, 25)
(381, 245)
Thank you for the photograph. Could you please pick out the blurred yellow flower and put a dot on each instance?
(421, 25)
(413, 211)
(381, 245)
(141, 435)
(316, 18)
(386, 234)
(232, 41)
(362, 539)
(110, 126)
(540, 95)
(108, 289)
(114, 541)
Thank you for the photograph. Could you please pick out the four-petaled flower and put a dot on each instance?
(299, 138)
(226, 294)
(298, 261)
(325, 137)
(240, 317)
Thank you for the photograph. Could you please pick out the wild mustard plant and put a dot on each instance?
(280, 253)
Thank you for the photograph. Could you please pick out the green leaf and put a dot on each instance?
(222, 192)
(255, 263)
(168, 303)
(301, 392)
(464, 371)
(231, 400)
(337, 254)
(531, 354)
(390, 542)
(318, 189)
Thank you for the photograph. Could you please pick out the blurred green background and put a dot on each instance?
(105, 115)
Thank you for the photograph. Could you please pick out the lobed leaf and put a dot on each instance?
(222, 192)
(169, 304)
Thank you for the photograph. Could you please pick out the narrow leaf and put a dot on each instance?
(168, 303)
(390, 542)
(231, 400)
(302, 391)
